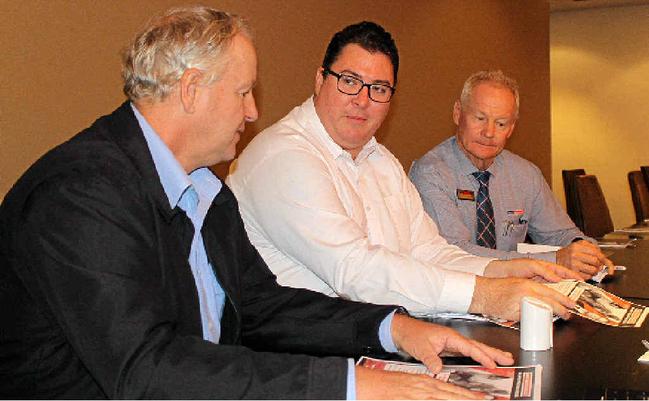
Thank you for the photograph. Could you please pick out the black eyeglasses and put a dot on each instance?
(350, 85)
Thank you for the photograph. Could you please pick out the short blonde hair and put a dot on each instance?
(495, 76)
(169, 44)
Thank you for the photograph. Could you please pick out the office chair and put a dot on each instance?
(645, 173)
(596, 218)
(572, 206)
(639, 196)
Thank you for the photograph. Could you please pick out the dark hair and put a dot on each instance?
(368, 35)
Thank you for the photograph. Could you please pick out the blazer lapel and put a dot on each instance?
(221, 238)
(127, 134)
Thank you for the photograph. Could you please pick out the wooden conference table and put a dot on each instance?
(635, 282)
(587, 357)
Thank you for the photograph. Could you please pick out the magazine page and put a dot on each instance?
(593, 303)
(601, 306)
(502, 383)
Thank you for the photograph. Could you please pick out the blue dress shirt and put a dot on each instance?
(194, 194)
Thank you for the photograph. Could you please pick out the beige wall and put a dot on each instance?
(600, 92)
(60, 65)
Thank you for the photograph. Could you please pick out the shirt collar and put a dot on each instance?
(312, 120)
(369, 149)
(173, 177)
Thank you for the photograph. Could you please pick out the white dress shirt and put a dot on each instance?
(353, 228)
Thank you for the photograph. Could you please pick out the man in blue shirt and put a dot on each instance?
(486, 199)
(127, 273)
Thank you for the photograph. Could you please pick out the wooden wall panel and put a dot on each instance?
(61, 65)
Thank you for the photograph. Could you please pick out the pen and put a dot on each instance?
(645, 343)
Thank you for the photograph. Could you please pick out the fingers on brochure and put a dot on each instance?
(604, 272)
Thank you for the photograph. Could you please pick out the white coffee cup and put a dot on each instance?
(536, 325)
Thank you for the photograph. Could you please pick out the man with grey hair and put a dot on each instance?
(486, 199)
(126, 271)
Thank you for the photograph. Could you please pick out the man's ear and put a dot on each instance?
(511, 131)
(319, 80)
(457, 111)
(189, 85)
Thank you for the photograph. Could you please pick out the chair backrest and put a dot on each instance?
(572, 206)
(594, 211)
(639, 196)
(645, 173)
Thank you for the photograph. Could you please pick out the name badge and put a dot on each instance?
(465, 194)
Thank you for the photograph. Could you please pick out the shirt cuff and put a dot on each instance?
(457, 292)
(351, 379)
(385, 337)
(385, 333)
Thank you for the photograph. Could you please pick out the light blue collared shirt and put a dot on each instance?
(194, 194)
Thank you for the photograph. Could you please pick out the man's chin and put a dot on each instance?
(225, 157)
(358, 134)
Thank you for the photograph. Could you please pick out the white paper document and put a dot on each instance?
(606, 244)
(633, 230)
(524, 247)
(644, 358)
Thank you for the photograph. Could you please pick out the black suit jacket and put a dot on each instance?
(98, 299)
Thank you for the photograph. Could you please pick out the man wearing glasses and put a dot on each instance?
(126, 273)
(331, 209)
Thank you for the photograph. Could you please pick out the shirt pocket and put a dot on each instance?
(513, 232)
(517, 231)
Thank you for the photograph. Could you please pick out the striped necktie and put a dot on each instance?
(486, 229)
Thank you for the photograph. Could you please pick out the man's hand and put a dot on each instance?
(425, 341)
(499, 292)
(501, 297)
(374, 384)
(584, 258)
(538, 270)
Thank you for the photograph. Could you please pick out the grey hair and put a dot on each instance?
(181, 38)
(494, 76)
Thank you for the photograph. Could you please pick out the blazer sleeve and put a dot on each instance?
(84, 251)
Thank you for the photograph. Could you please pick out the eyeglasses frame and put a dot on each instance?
(327, 71)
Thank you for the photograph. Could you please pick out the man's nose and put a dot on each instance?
(490, 129)
(251, 111)
(362, 98)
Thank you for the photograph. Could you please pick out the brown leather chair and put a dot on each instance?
(572, 204)
(593, 208)
(639, 196)
(645, 173)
